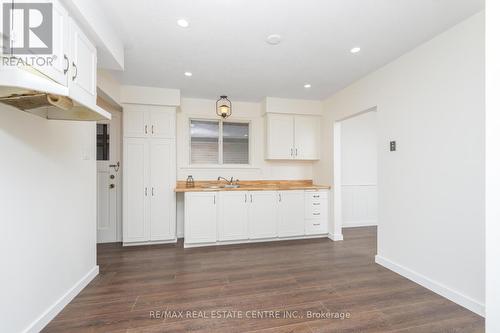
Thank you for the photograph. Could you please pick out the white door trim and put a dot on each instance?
(335, 231)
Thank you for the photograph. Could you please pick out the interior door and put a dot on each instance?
(280, 136)
(233, 219)
(108, 180)
(307, 131)
(136, 190)
(291, 213)
(162, 181)
(263, 215)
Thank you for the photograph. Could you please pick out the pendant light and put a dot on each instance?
(223, 107)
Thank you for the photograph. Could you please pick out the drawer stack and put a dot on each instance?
(316, 212)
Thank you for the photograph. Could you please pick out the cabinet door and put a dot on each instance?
(200, 217)
(233, 216)
(263, 215)
(83, 70)
(162, 182)
(162, 121)
(280, 135)
(136, 121)
(59, 67)
(135, 190)
(307, 136)
(291, 213)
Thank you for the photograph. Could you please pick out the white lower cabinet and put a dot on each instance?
(291, 213)
(263, 215)
(212, 218)
(316, 212)
(135, 187)
(162, 181)
(148, 192)
(200, 218)
(233, 216)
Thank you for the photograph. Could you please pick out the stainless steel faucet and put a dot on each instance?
(230, 182)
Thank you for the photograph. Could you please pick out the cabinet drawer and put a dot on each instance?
(317, 212)
(316, 227)
(316, 208)
(316, 195)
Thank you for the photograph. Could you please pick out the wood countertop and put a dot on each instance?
(250, 185)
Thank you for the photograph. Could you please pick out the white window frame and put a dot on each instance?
(220, 143)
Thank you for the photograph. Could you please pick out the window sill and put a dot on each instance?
(220, 166)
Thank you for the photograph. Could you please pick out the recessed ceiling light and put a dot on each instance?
(182, 23)
(188, 73)
(355, 49)
(307, 85)
(273, 39)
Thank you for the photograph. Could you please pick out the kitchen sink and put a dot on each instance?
(222, 186)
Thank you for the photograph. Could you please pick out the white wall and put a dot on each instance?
(359, 170)
(431, 190)
(492, 167)
(259, 168)
(48, 213)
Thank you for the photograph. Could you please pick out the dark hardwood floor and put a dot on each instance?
(289, 278)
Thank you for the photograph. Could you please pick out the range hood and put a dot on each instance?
(26, 89)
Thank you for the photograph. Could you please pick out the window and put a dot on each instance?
(217, 142)
(102, 142)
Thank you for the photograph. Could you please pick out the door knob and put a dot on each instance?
(112, 176)
(111, 185)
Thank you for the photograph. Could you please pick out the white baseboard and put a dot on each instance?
(171, 241)
(356, 224)
(336, 237)
(436, 287)
(254, 241)
(53, 310)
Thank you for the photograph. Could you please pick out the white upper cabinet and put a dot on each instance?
(307, 137)
(135, 120)
(280, 136)
(60, 46)
(233, 216)
(262, 215)
(83, 66)
(144, 121)
(291, 213)
(292, 137)
(162, 121)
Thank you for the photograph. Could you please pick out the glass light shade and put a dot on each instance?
(223, 107)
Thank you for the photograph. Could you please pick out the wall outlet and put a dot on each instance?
(392, 146)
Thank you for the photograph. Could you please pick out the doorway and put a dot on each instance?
(355, 171)
(109, 180)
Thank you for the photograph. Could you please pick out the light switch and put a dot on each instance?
(392, 146)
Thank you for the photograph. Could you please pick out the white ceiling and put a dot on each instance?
(225, 48)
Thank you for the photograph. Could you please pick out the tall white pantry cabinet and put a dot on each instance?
(149, 174)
